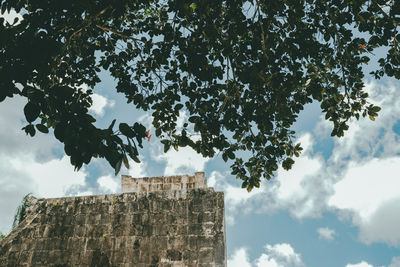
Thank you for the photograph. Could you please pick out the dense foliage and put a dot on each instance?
(241, 70)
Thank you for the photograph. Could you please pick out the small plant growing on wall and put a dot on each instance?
(2, 236)
(20, 214)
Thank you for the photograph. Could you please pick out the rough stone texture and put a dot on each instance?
(162, 228)
(170, 183)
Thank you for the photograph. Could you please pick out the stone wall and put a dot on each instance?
(164, 228)
(169, 183)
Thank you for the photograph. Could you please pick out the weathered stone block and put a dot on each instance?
(206, 255)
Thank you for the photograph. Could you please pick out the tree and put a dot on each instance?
(242, 70)
(20, 214)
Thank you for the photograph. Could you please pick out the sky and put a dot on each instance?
(338, 206)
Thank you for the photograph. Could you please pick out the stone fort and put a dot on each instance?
(158, 221)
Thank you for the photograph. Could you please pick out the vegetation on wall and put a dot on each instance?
(2, 236)
(20, 214)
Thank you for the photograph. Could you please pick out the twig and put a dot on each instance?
(116, 33)
(264, 46)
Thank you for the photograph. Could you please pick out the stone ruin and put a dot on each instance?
(158, 221)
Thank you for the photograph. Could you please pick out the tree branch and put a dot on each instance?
(116, 33)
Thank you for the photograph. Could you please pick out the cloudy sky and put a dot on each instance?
(338, 206)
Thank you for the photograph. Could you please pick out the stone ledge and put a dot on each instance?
(127, 196)
(163, 183)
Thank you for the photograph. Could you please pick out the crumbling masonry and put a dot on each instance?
(159, 221)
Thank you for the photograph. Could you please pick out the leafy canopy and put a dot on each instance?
(241, 70)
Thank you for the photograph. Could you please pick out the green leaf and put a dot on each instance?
(376, 109)
(193, 6)
(194, 119)
(249, 187)
(126, 162)
(126, 130)
(136, 159)
(178, 107)
(132, 150)
(31, 111)
(287, 163)
(166, 147)
(118, 166)
(158, 131)
(3, 8)
(29, 129)
(245, 184)
(112, 125)
(42, 128)
(59, 131)
(225, 157)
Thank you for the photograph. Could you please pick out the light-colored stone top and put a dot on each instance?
(163, 183)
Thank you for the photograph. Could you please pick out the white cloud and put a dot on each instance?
(326, 233)
(369, 193)
(108, 184)
(138, 169)
(360, 264)
(100, 103)
(49, 179)
(395, 262)
(239, 259)
(383, 225)
(147, 121)
(183, 161)
(236, 197)
(266, 261)
(301, 189)
(279, 255)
